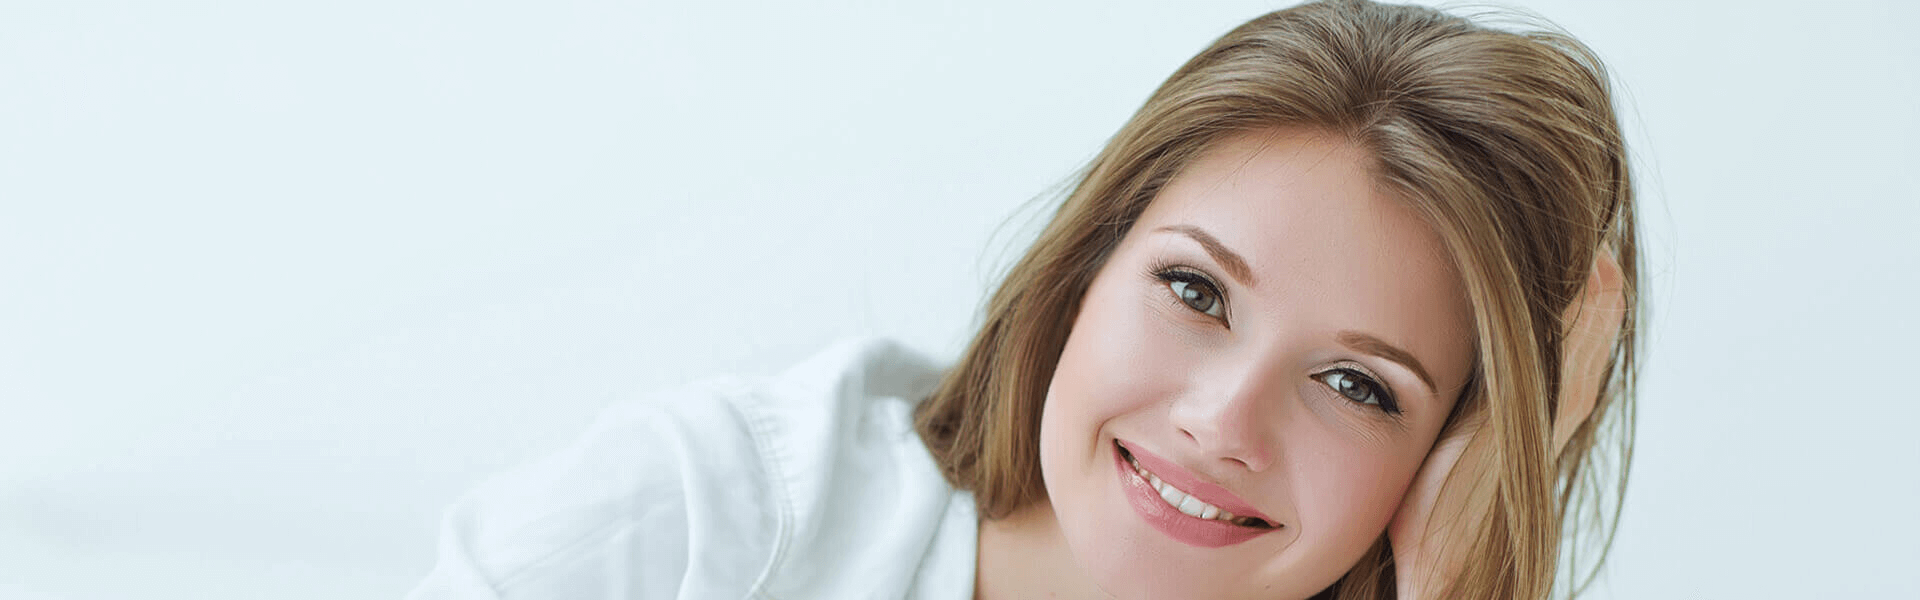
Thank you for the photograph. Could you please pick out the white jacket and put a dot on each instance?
(811, 484)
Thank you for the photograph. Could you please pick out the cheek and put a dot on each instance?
(1121, 355)
(1122, 361)
(1346, 497)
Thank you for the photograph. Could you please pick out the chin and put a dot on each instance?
(1131, 561)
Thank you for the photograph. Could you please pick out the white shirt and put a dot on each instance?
(810, 484)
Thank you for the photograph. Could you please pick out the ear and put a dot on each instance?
(1593, 326)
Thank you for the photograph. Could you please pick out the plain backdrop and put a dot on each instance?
(280, 280)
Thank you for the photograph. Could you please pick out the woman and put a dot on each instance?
(1343, 311)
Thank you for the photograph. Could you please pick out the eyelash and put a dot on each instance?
(1169, 273)
(1383, 396)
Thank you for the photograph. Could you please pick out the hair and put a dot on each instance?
(1505, 141)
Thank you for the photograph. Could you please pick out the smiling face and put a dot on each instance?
(1274, 338)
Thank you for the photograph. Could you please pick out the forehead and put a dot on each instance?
(1326, 246)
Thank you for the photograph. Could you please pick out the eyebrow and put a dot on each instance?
(1367, 344)
(1236, 266)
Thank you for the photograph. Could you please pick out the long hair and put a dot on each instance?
(1505, 141)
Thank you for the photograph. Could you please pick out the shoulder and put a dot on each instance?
(866, 499)
(835, 408)
(713, 489)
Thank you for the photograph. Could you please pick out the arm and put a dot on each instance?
(605, 514)
(1428, 554)
(620, 513)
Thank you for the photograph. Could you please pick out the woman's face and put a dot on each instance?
(1274, 338)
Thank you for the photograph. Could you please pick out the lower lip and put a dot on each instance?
(1189, 530)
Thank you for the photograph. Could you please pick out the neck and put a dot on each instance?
(1024, 555)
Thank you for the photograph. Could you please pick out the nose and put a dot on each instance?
(1234, 420)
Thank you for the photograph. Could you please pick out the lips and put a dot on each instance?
(1152, 505)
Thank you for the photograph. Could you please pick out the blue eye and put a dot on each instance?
(1358, 387)
(1196, 292)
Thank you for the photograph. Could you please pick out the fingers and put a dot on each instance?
(1443, 510)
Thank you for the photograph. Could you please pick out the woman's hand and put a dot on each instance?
(1427, 558)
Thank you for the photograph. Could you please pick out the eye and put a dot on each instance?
(1359, 387)
(1195, 291)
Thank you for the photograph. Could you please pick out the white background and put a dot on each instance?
(278, 281)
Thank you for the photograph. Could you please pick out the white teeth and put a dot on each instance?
(1180, 500)
(1192, 507)
(1172, 495)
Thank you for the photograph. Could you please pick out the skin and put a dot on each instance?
(1246, 397)
(1420, 548)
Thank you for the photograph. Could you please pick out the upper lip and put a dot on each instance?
(1206, 491)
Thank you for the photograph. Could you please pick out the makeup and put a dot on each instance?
(1152, 504)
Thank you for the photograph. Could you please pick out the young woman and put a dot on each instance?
(1344, 311)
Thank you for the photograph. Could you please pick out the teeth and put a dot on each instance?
(1193, 508)
(1171, 495)
(1183, 502)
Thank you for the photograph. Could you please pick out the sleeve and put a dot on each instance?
(605, 518)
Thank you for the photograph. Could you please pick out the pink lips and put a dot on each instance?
(1193, 531)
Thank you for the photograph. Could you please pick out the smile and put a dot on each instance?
(1179, 513)
(1186, 503)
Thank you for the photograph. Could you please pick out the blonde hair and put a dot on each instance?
(1505, 141)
